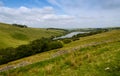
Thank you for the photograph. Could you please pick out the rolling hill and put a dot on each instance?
(96, 55)
(12, 36)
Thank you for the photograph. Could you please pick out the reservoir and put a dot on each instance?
(69, 35)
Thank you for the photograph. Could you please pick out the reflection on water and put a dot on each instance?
(69, 35)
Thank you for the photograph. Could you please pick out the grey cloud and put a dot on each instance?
(111, 4)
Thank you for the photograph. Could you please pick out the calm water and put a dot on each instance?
(69, 35)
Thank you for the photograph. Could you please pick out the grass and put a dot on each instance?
(11, 36)
(98, 60)
(88, 62)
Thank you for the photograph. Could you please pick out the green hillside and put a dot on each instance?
(96, 55)
(12, 36)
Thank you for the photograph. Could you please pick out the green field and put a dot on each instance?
(12, 36)
(96, 55)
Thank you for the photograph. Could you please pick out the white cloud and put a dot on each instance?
(35, 17)
(91, 13)
(79, 13)
(77, 7)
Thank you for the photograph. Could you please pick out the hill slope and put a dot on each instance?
(12, 36)
(96, 55)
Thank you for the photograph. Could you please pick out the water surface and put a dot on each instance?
(70, 35)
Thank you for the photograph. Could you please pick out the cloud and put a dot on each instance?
(78, 7)
(78, 14)
(86, 4)
(110, 4)
(35, 17)
(91, 13)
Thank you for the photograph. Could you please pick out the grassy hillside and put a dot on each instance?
(12, 36)
(97, 55)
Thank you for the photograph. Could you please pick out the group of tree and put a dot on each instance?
(19, 25)
(36, 46)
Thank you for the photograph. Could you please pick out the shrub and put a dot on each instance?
(66, 41)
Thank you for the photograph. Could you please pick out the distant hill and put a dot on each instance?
(12, 36)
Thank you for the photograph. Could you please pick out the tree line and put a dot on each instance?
(19, 25)
(36, 46)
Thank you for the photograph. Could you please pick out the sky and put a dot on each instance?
(61, 13)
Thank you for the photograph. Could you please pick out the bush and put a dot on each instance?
(55, 45)
(66, 41)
